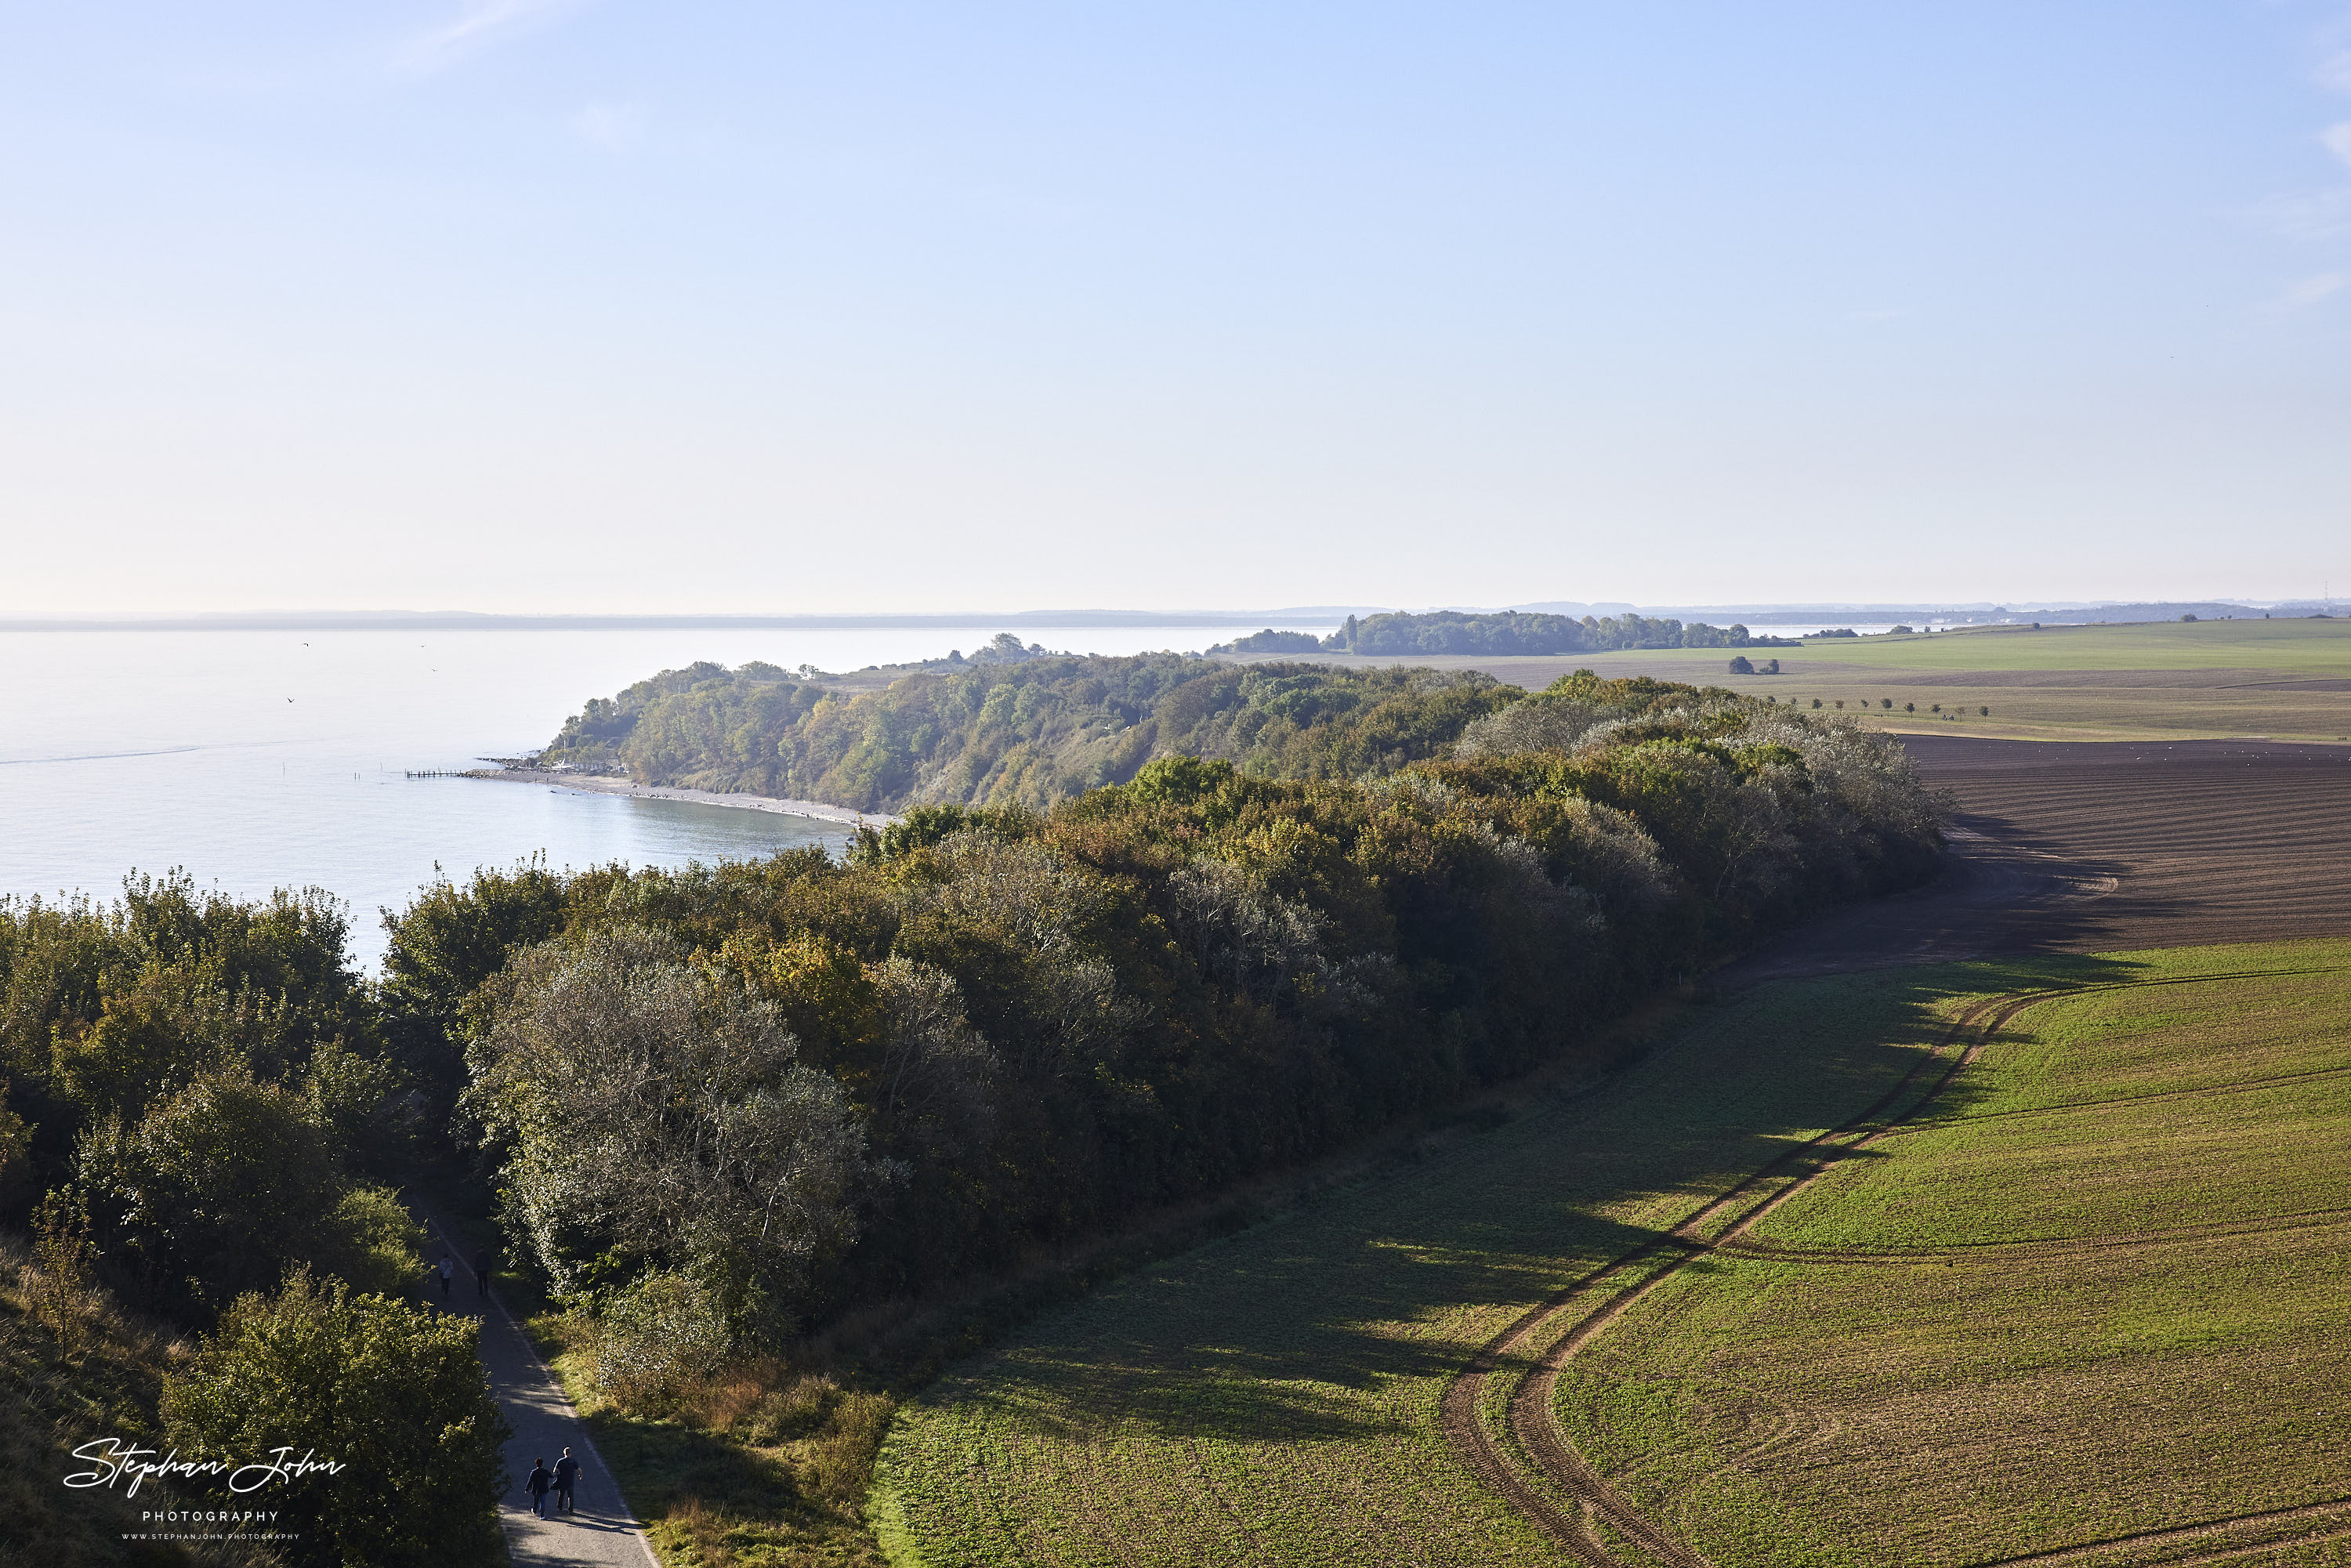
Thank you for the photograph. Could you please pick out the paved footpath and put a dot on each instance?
(600, 1529)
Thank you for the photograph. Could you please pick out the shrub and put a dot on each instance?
(372, 1241)
(393, 1394)
(655, 1340)
(56, 1283)
(842, 1457)
(794, 1411)
(214, 1190)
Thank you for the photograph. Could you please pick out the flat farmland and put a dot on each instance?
(1278, 1396)
(1973, 1264)
(2164, 680)
(2087, 847)
(2086, 1307)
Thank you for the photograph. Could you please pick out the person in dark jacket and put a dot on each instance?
(567, 1475)
(482, 1272)
(537, 1483)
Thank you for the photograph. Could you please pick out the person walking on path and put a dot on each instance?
(537, 1483)
(482, 1273)
(567, 1474)
(448, 1272)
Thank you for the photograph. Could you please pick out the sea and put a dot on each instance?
(255, 760)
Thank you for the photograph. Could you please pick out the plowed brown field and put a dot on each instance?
(2087, 847)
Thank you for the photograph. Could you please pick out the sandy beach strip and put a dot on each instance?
(592, 784)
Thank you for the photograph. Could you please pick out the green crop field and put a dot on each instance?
(2161, 680)
(2089, 1286)
(2278, 647)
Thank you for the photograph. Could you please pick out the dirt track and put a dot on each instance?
(1570, 1498)
(2104, 846)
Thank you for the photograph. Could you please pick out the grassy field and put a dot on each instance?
(2285, 679)
(2099, 1296)
(2034, 1373)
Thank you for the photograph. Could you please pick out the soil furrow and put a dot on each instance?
(2237, 1086)
(2189, 1532)
(1753, 1247)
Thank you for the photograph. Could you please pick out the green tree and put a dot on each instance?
(214, 1190)
(393, 1394)
(659, 1114)
(1741, 664)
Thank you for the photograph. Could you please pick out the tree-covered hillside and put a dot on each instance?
(1026, 733)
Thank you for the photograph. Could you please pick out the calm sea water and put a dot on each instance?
(262, 759)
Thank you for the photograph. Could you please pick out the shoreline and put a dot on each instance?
(596, 784)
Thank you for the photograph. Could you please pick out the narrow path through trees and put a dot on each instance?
(601, 1530)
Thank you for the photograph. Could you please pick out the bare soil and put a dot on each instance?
(2103, 846)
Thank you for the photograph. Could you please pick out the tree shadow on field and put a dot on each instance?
(667, 1462)
(1339, 1320)
(2001, 893)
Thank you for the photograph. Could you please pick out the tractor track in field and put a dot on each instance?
(2055, 1247)
(1570, 1496)
(1641, 1268)
(2236, 1086)
(2337, 1511)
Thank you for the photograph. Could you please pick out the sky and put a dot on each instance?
(588, 306)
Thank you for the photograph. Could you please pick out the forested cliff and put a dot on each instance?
(1029, 733)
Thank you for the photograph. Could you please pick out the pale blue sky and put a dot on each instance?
(618, 306)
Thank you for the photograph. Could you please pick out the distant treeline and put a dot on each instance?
(1506, 631)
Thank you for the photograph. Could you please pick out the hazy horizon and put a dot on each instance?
(562, 306)
(1066, 618)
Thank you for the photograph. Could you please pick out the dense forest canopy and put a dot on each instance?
(1027, 732)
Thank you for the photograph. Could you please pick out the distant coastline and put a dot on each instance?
(468, 620)
(595, 784)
